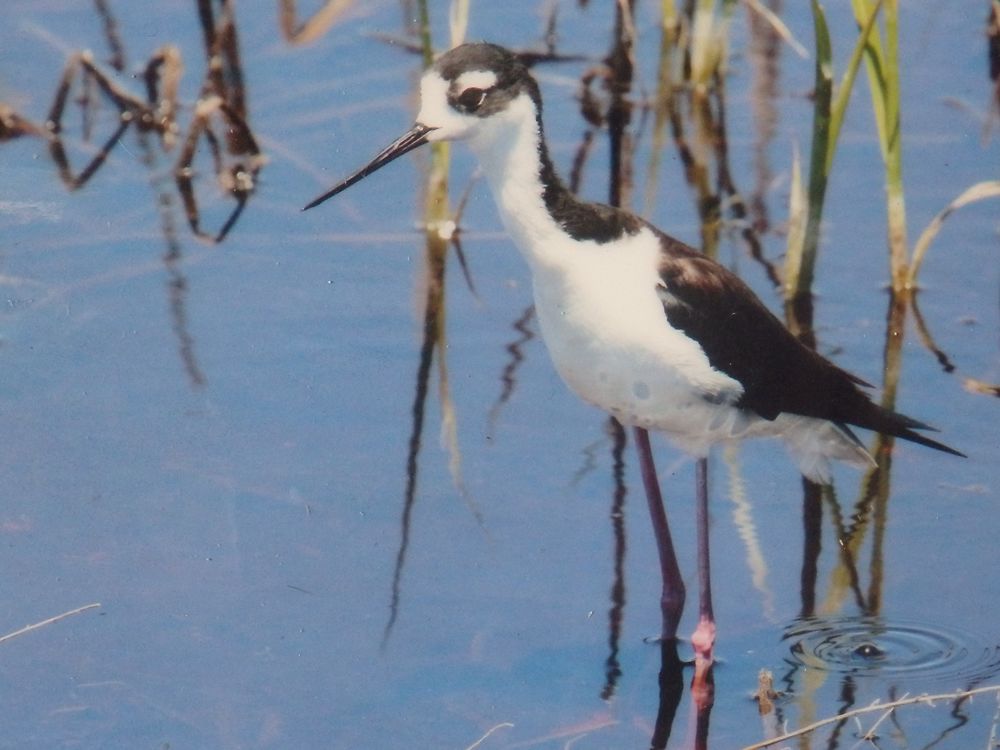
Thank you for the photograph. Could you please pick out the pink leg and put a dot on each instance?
(704, 635)
(673, 595)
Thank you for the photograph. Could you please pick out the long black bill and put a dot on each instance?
(411, 139)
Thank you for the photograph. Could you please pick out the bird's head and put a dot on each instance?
(470, 93)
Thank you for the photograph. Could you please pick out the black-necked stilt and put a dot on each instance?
(636, 322)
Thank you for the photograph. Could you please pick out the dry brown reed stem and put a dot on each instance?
(312, 28)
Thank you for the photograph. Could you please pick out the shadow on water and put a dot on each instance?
(869, 654)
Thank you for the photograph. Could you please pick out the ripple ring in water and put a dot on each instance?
(873, 647)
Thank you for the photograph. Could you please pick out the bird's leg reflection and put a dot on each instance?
(671, 685)
(812, 526)
(671, 689)
(612, 667)
(703, 697)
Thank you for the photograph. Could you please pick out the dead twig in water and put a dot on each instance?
(49, 621)
(477, 743)
(884, 707)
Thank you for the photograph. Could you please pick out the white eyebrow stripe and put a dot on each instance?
(477, 79)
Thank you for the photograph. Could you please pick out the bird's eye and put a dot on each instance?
(471, 99)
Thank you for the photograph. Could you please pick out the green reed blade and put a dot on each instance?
(843, 92)
(800, 263)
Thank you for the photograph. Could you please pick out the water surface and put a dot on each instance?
(212, 441)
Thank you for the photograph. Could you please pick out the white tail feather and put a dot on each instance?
(813, 442)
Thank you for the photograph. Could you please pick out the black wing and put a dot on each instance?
(743, 339)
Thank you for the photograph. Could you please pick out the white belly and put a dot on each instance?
(609, 339)
(604, 324)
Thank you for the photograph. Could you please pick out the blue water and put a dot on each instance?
(214, 450)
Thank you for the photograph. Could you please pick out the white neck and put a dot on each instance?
(509, 152)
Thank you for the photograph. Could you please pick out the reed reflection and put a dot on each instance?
(221, 108)
(764, 56)
(993, 59)
(219, 124)
(442, 231)
(947, 363)
(515, 350)
(220, 115)
(435, 253)
(436, 212)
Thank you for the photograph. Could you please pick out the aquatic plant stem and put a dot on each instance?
(829, 109)
(882, 64)
(896, 208)
(842, 94)
(979, 191)
(802, 266)
(438, 227)
(669, 31)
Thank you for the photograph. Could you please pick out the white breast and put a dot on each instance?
(609, 339)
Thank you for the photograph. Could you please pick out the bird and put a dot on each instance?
(638, 323)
